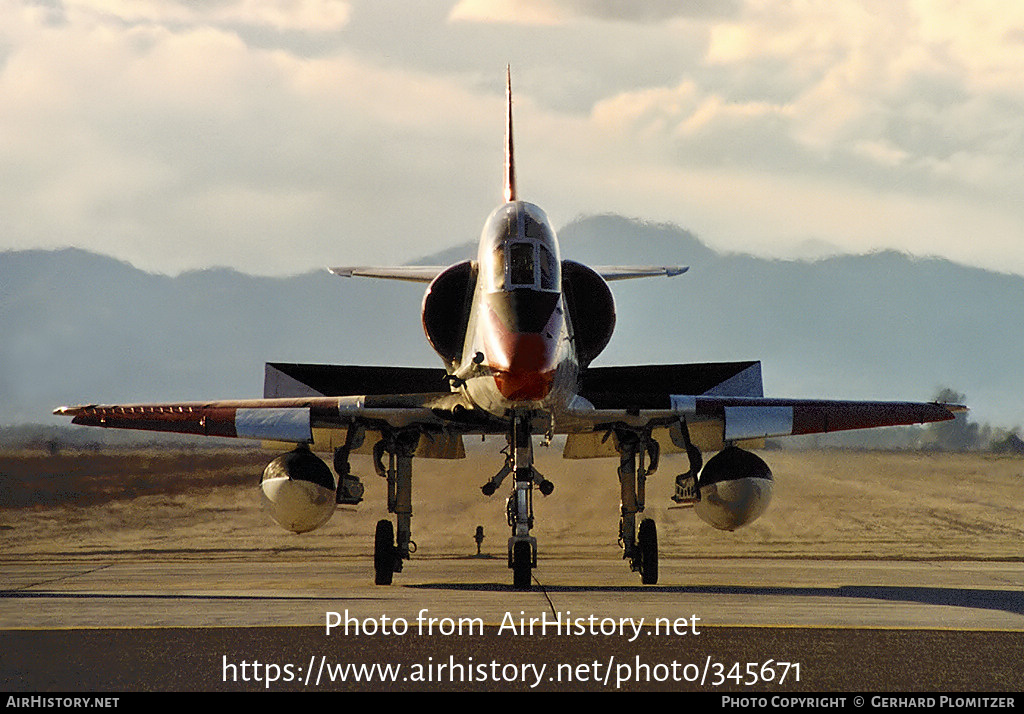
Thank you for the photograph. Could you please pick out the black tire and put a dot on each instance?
(648, 543)
(522, 563)
(384, 553)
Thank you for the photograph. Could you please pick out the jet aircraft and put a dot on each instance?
(517, 329)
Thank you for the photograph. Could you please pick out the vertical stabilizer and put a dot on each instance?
(510, 161)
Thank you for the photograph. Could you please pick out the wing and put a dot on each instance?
(426, 273)
(626, 272)
(314, 404)
(408, 273)
(720, 403)
(321, 422)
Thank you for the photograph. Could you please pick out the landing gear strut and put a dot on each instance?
(522, 547)
(635, 446)
(400, 446)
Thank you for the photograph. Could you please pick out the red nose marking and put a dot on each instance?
(524, 386)
(530, 371)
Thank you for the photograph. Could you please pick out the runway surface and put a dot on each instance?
(189, 621)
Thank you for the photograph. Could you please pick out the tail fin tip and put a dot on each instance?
(510, 163)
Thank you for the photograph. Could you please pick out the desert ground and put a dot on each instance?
(826, 504)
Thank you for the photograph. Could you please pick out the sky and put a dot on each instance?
(280, 136)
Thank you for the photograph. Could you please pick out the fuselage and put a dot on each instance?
(518, 353)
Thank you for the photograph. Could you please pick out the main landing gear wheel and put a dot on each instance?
(522, 563)
(384, 553)
(647, 541)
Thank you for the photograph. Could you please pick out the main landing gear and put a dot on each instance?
(639, 546)
(522, 547)
(388, 553)
(638, 458)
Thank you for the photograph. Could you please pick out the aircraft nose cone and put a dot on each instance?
(524, 386)
(530, 371)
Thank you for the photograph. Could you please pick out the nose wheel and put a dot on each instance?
(522, 565)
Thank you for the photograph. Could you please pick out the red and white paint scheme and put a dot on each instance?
(516, 329)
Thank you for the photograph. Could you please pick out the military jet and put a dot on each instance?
(517, 329)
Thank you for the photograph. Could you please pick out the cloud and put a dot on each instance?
(182, 134)
(177, 146)
(554, 12)
(282, 15)
(917, 94)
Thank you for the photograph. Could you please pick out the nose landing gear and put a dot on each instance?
(522, 547)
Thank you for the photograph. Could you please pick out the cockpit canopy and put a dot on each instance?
(518, 249)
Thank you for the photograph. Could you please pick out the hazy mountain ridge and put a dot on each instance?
(80, 327)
